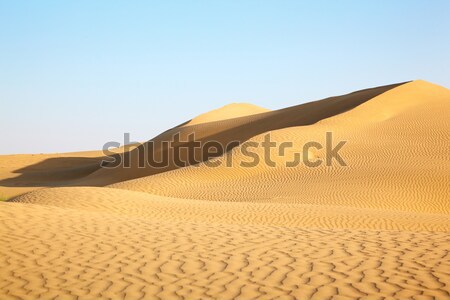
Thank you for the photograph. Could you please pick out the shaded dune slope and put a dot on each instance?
(23, 172)
(20, 173)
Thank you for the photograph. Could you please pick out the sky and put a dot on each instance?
(77, 74)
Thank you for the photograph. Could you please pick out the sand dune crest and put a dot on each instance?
(230, 111)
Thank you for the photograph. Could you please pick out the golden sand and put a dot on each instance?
(375, 229)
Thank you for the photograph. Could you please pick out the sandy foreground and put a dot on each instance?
(378, 228)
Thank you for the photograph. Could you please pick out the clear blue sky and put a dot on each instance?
(76, 74)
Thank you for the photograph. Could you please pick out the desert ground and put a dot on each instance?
(377, 227)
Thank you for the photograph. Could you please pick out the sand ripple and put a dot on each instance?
(52, 252)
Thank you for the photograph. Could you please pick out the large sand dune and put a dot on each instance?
(377, 228)
(397, 156)
(228, 132)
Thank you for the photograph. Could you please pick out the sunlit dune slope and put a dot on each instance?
(230, 111)
(396, 151)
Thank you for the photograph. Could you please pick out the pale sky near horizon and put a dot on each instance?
(75, 75)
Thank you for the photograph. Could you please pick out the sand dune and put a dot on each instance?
(396, 152)
(377, 228)
(229, 133)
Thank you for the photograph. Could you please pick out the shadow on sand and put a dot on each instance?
(58, 171)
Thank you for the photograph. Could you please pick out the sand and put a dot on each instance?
(20, 173)
(397, 156)
(230, 111)
(226, 132)
(375, 229)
